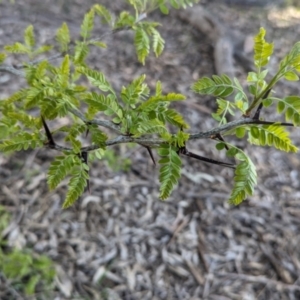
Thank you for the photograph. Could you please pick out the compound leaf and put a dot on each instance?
(262, 49)
(152, 126)
(87, 24)
(21, 141)
(272, 135)
(63, 37)
(291, 106)
(245, 179)
(77, 184)
(169, 172)
(142, 44)
(59, 169)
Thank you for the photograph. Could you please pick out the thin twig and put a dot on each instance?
(232, 125)
(12, 70)
(156, 142)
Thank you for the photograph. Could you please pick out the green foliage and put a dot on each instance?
(63, 37)
(169, 172)
(245, 177)
(291, 107)
(87, 25)
(143, 33)
(244, 181)
(271, 135)
(2, 57)
(27, 272)
(262, 49)
(59, 169)
(29, 45)
(134, 112)
(77, 183)
(290, 64)
(21, 141)
(222, 86)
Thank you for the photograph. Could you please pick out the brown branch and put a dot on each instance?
(156, 142)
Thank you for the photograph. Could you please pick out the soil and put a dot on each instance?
(121, 241)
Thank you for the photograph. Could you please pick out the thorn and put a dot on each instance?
(151, 154)
(208, 160)
(257, 113)
(50, 142)
(260, 106)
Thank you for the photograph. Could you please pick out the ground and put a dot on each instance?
(121, 241)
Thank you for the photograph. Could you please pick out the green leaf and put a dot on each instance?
(290, 62)
(164, 9)
(81, 52)
(158, 43)
(291, 76)
(64, 72)
(169, 172)
(63, 37)
(273, 135)
(21, 141)
(96, 78)
(254, 131)
(262, 49)
(102, 103)
(98, 137)
(267, 102)
(59, 169)
(125, 19)
(17, 48)
(174, 118)
(252, 77)
(25, 118)
(180, 138)
(42, 49)
(2, 57)
(151, 126)
(291, 106)
(135, 91)
(245, 179)
(87, 25)
(280, 107)
(103, 13)
(220, 146)
(218, 86)
(31, 284)
(142, 44)
(232, 152)
(240, 132)
(253, 89)
(77, 184)
(153, 102)
(98, 44)
(29, 37)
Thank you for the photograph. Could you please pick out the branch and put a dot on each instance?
(12, 70)
(156, 142)
(232, 125)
